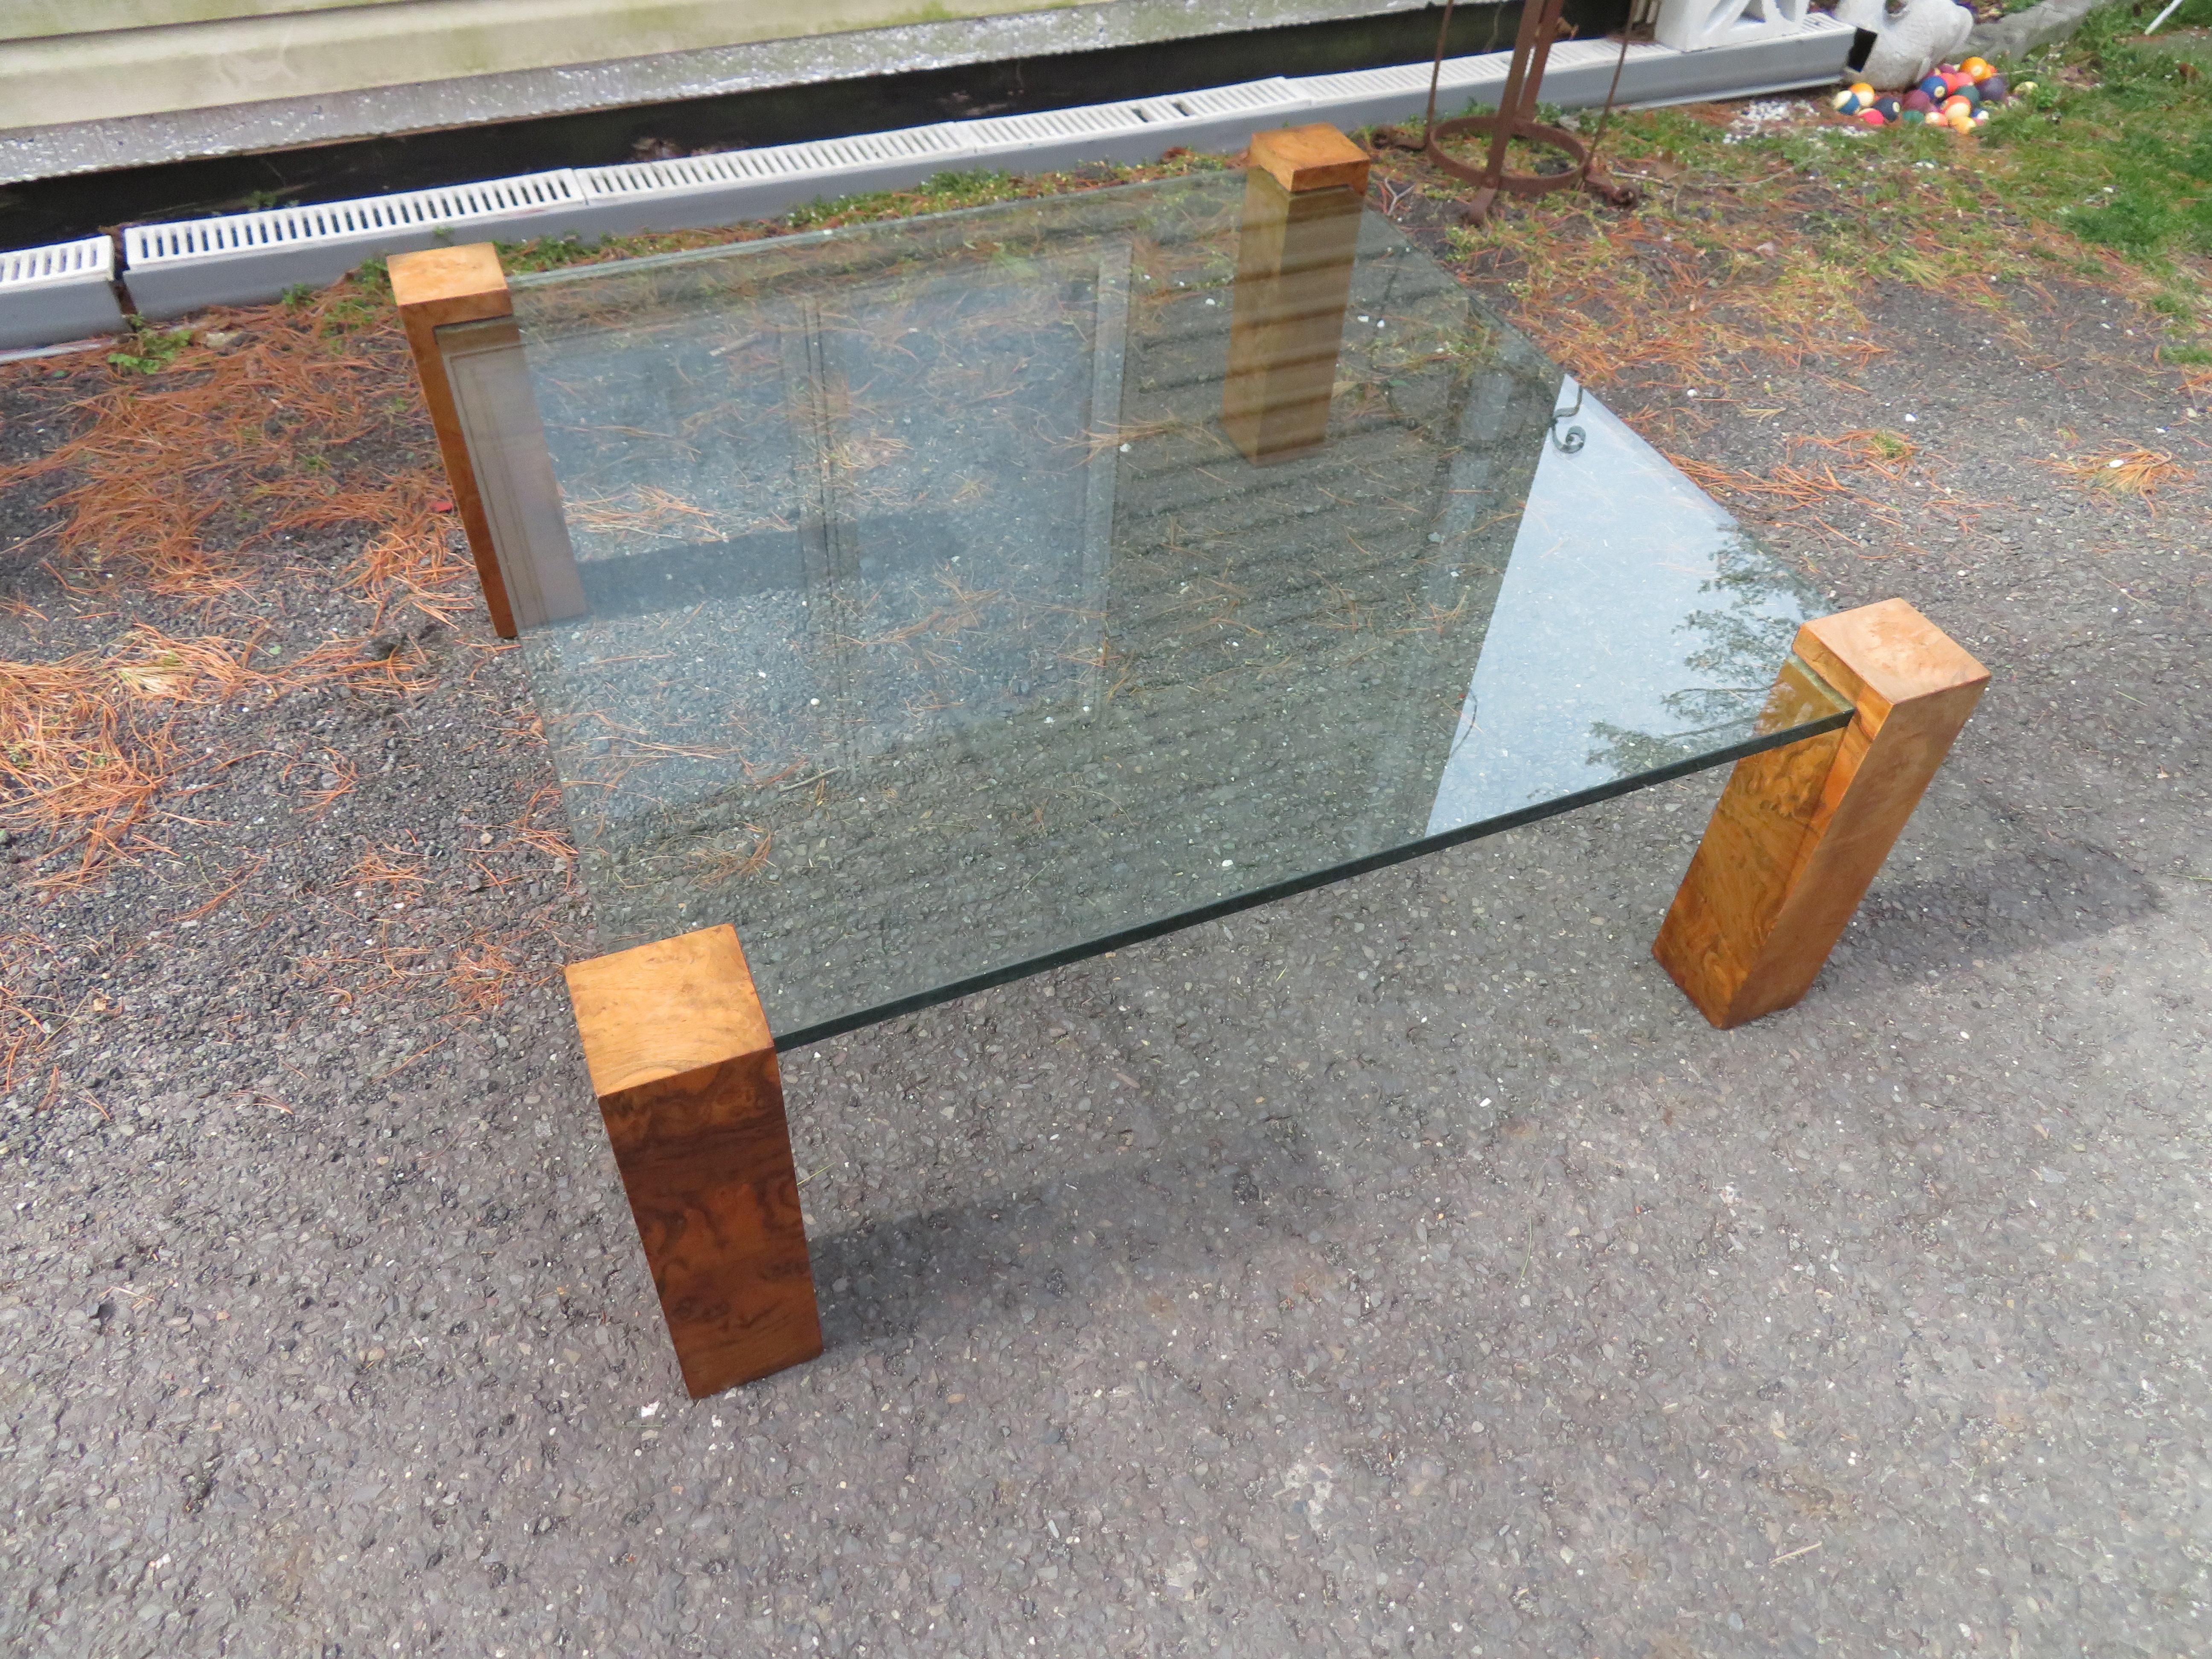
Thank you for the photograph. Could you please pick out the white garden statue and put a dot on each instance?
(1912, 37)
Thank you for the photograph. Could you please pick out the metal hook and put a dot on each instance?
(1571, 440)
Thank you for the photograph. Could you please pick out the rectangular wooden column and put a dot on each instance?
(489, 435)
(1801, 831)
(686, 1076)
(1303, 192)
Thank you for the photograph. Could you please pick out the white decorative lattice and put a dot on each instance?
(1701, 25)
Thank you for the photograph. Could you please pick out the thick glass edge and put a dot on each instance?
(1757, 743)
(797, 239)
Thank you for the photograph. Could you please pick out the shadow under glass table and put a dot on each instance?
(926, 604)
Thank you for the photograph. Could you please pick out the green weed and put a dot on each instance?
(150, 349)
(2116, 146)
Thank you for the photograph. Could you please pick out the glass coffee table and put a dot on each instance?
(927, 603)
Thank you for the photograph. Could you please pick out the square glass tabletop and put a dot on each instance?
(910, 597)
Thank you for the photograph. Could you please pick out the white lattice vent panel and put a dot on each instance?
(64, 291)
(335, 223)
(733, 185)
(932, 149)
(1360, 98)
(1701, 25)
(92, 260)
(1270, 99)
(994, 133)
(1398, 78)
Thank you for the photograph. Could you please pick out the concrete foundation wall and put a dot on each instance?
(134, 82)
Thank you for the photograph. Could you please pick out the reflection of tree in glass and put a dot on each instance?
(1741, 642)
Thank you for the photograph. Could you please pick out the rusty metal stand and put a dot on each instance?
(1516, 119)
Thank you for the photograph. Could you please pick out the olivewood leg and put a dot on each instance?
(685, 1073)
(1801, 831)
(1294, 253)
(454, 305)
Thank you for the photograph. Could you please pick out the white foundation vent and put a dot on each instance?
(241, 258)
(1222, 118)
(1701, 25)
(426, 211)
(709, 189)
(92, 258)
(1058, 139)
(64, 291)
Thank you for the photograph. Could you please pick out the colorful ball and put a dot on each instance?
(1977, 67)
(2023, 89)
(1918, 101)
(1913, 118)
(1864, 91)
(1968, 90)
(1847, 103)
(1954, 107)
(1981, 117)
(1994, 89)
(1874, 118)
(1934, 89)
(1960, 123)
(1888, 108)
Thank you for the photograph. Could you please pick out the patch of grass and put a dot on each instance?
(151, 349)
(944, 193)
(2115, 144)
(353, 311)
(1767, 243)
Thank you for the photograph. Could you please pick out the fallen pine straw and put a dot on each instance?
(1887, 452)
(178, 477)
(2135, 472)
(89, 742)
(185, 483)
(1785, 488)
(1613, 295)
(718, 864)
(480, 974)
(389, 867)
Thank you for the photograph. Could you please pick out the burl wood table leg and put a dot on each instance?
(1294, 254)
(454, 305)
(685, 1072)
(1801, 831)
